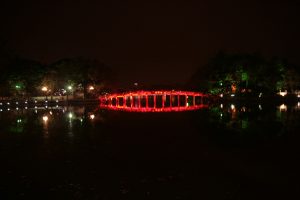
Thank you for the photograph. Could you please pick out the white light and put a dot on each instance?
(35, 101)
(221, 115)
(26, 102)
(259, 106)
(282, 93)
(46, 106)
(50, 112)
(35, 107)
(45, 118)
(26, 108)
(8, 103)
(17, 102)
(92, 116)
(17, 108)
(44, 88)
(56, 106)
(298, 95)
(0, 104)
(232, 95)
(243, 109)
(260, 94)
(70, 115)
(69, 87)
(56, 100)
(91, 88)
(8, 109)
(0, 110)
(221, 95)
(221, 105)
(46, 101)
(283, 108)
(232, 107)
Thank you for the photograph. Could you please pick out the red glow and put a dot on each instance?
(162, 101)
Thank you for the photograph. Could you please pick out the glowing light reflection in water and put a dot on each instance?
(71, 149)
(168, 109)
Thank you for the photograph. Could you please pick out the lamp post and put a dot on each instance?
(69, 89)
(91, 91)
(19, 89)
(45, 89)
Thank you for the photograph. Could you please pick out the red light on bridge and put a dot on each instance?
(154, 101)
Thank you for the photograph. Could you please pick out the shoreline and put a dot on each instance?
(263, 100)
(49, 102)
(33, 101)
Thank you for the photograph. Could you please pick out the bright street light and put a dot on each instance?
(92, 116)
(44, 88)
(45, 118)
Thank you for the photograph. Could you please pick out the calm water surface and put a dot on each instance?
(227, 151)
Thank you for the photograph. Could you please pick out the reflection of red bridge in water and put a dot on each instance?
(155, 101)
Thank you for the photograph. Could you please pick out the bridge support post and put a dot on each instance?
(186, 98)
(154, 98)
(194, 100)
(178, 99)
(147, 101)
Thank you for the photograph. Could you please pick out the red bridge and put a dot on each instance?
(154, 101)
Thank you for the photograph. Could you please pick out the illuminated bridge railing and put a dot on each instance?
(154, 101)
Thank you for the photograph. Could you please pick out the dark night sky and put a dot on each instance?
(146, 41)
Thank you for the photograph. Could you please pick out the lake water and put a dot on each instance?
(226, 151)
